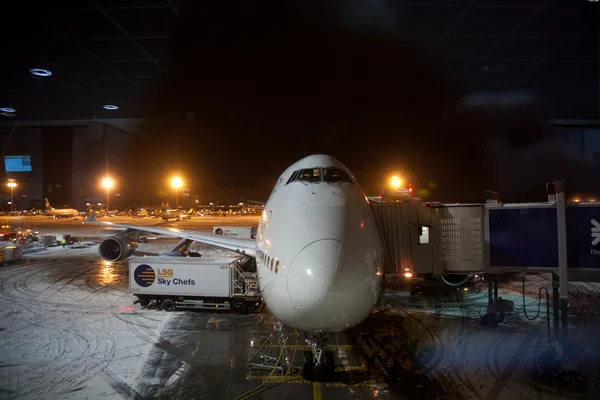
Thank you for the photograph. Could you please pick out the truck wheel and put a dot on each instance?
(239, 307)
(144, 301)
(168, 305)
(218, 231)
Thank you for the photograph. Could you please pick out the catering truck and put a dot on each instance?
(242, 232)
(191, 282)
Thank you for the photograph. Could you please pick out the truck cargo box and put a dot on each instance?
(181, 276)
(192, 282)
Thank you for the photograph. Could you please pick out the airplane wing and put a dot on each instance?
(242, 246)
(260, 203)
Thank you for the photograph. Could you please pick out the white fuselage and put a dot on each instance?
(319, 254)
(62, 212)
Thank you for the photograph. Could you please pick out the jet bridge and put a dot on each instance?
(449, 240)
(432, 238)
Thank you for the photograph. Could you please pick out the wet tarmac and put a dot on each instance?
(69, 330)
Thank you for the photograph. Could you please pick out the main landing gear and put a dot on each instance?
(316, 358)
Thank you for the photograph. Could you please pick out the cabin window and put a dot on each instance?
(309, 175)
(277, 266)
(272, 262)
(335, 175)
(423, 234)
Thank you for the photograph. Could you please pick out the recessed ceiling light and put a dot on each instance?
(110, 107)
(8, 110)
(40, 72)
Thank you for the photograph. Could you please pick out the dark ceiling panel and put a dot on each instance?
(115, 50)
(519, 48)
(455, 66)
(117, 85)
(131, 3)
(90, 70)
(420, 20)
(143, 69)
(461, 46)
(146, 22)
(158, 48)
(491, 21)
(509, 3)
(574, 49)
(61, 52)
(86, 25)
(551, 23)
(565, 75)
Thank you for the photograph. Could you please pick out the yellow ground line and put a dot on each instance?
(299, 346)
(316, 391)
(292, 377)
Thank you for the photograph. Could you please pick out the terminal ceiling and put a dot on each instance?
(119, 52)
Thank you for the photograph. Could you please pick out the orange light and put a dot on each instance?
(408, 275)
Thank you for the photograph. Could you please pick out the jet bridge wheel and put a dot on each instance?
(168, 305)
(308, 365)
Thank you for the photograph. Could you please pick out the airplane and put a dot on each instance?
(318, 253)
(59, 212)
(167, 214)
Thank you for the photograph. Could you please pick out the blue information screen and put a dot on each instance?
(528, 237)
(523, 237)
(17, 163)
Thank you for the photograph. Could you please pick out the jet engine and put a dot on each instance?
(116, 248)
(455, 279)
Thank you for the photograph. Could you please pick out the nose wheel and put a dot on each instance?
(318, 361)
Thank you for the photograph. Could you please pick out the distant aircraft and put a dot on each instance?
(318, 252)
(168, 214)
(60, 212)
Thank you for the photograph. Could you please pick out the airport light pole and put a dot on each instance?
(12, 185)
(176, 182)
(395, 182)
(108, 183)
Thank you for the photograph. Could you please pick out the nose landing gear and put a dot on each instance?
(322, 361)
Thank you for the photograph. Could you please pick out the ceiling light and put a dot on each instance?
(110, 107)
(8, 110)
(40, 72)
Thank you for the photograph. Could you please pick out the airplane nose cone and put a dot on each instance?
(313, 272)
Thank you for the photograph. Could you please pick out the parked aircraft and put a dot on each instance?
(168, 214)
(318, 252)
(59, 212)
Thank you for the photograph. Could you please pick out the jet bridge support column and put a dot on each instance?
(562, 259)
(555, 303)
(496, 289)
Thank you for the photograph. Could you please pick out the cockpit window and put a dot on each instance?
(293, 177)
(309, 175)
(335, 175)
